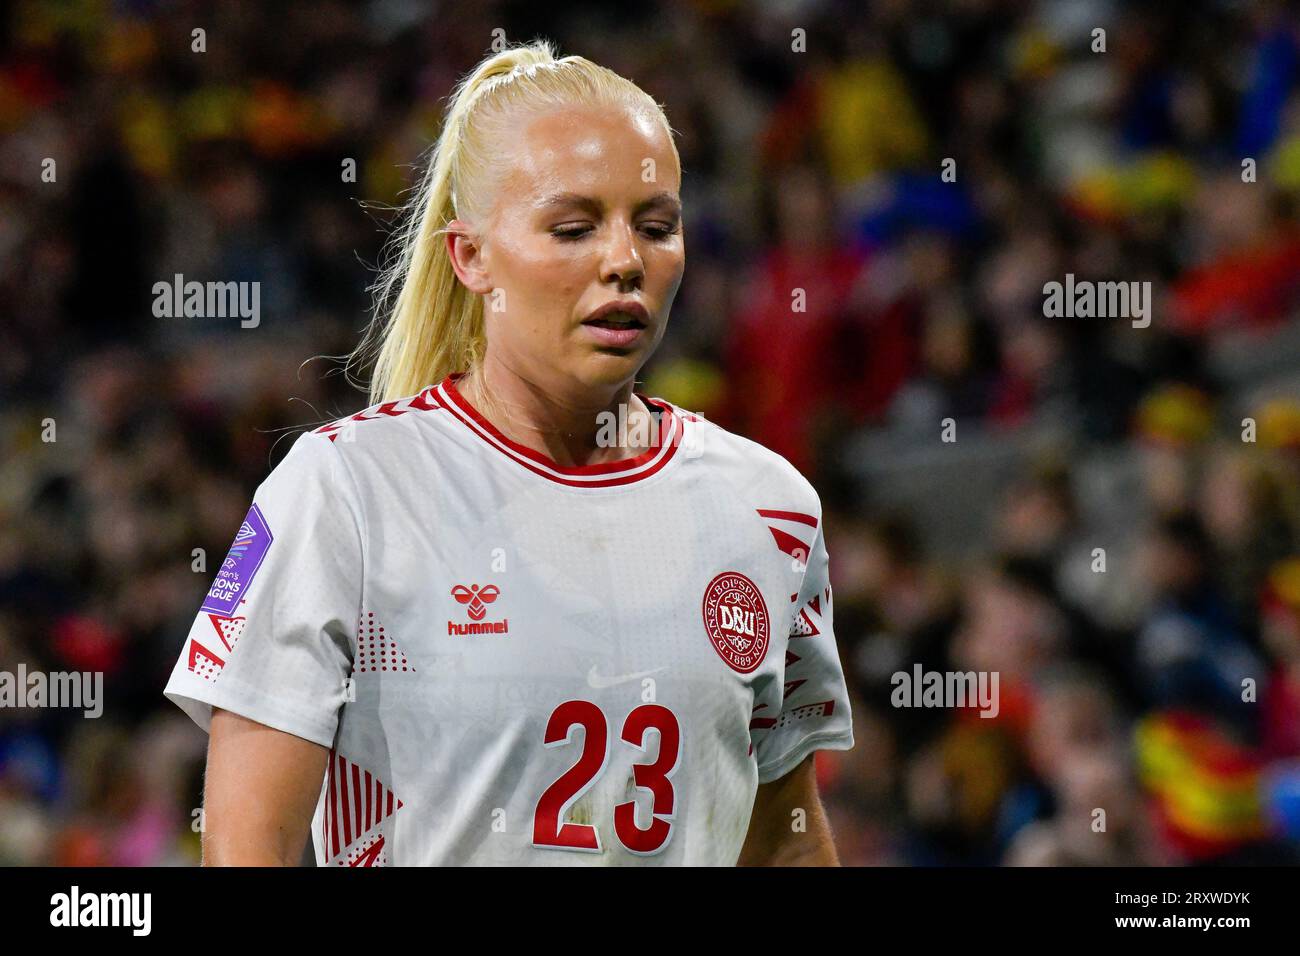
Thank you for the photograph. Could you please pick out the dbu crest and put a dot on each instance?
(735, 618)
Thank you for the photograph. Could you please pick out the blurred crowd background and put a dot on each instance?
(1115, 529)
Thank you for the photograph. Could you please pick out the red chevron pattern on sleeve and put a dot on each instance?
(808, 623)
(821, 708)
(203, 663)
(228, 628)
(423, 402)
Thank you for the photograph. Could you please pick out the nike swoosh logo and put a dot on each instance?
(596, 681)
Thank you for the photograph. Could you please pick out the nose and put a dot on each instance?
(622, 263)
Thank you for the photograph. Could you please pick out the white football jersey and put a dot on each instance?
(516, 662)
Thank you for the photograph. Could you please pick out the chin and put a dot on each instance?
(609, 369)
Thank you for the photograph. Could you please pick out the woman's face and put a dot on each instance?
(587, 217)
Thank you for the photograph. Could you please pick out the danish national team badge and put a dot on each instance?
(735, 617)
(245, 557)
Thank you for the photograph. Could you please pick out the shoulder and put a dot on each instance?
(343, 453)
(380, 435)
(382, 416)
(309, 459)
(760, 473)
(311, 491)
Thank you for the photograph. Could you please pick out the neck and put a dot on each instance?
(573, 429)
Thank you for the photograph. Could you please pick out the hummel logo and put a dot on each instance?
(596, 681)
(477, 598)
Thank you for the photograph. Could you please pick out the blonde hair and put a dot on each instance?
(426, 323)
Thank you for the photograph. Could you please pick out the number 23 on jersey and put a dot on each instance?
(549, 829)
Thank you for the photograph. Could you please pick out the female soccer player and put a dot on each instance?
(516, 611)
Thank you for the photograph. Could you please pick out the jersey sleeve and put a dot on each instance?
(272, 639)
(815, 713)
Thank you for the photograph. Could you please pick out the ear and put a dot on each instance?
(466, 253)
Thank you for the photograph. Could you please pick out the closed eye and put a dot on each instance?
(570, 232)
(660, 230)
(657, 231)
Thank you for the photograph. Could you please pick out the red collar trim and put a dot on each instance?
(667, 438)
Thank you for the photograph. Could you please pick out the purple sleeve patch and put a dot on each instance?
(241, 564)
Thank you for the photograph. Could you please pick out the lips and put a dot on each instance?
(618, 324)
(620, 313)
(616, 320)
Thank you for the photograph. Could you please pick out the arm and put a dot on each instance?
(772, 839)
(260, 792)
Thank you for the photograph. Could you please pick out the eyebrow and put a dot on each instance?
(587, 204)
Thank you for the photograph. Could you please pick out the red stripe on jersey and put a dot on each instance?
(334, 806)
(369, 792)
(331, 808)
(343, 802)
(760, 723)
(356, 797)
(329, 799)
(789, 516)
(788, 542)
(667, 438)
